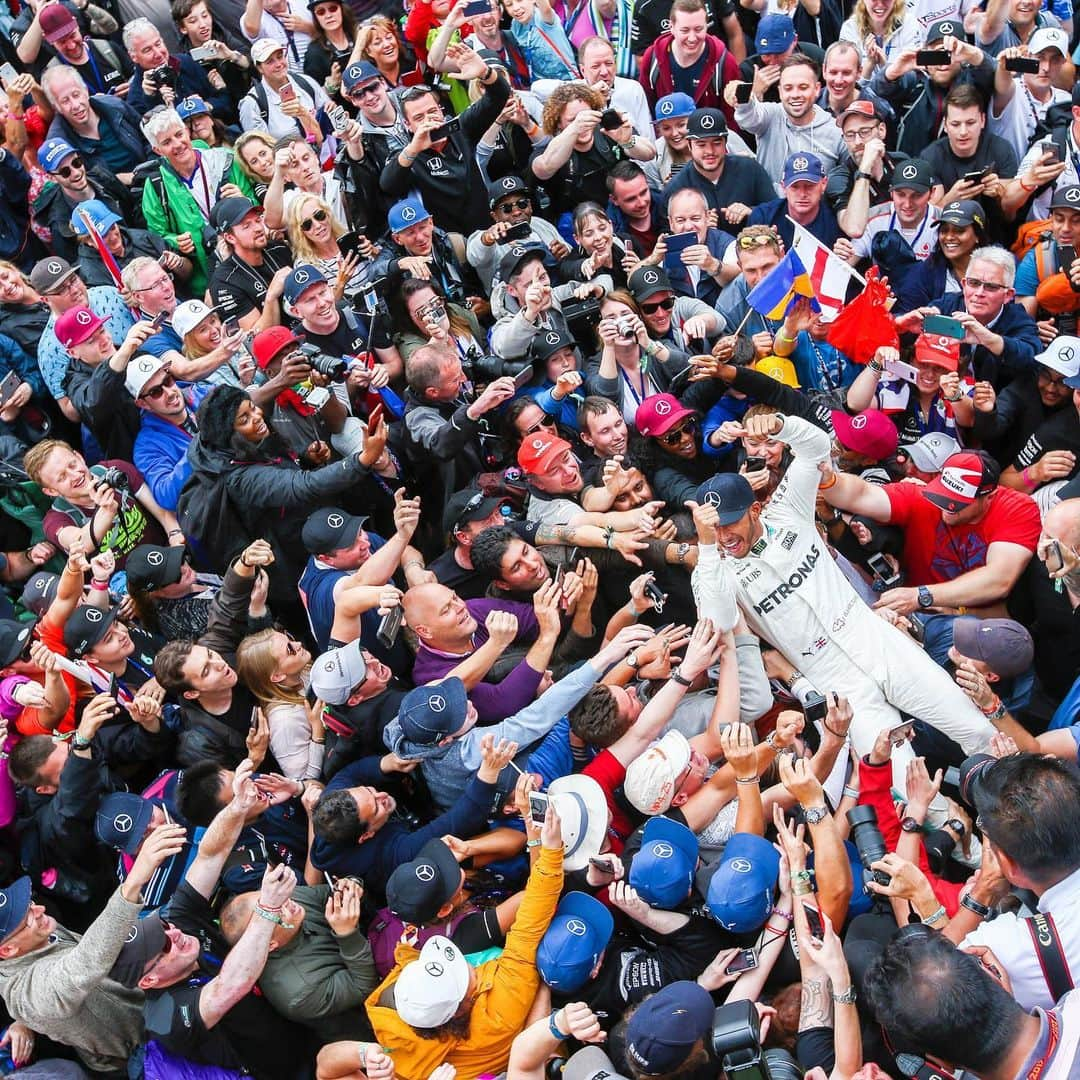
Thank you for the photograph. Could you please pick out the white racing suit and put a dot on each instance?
(794, 595)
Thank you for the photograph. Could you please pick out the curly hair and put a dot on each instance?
(561, 96)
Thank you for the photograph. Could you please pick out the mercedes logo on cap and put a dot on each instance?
(576, 927)
(667, 108)
(1067, 353)
(83, 318)
(741, 866)
(909, 172)
(663, 408)
(1073, 194)
(437, 703)
(93, 614)
(946, 28)
(55, 267)
(859, 422)
(650, 277)
(123, 823)
(133, 933)
(434, 969)
(509, 182)
(3, 899)
(425, 872)
(712, 498)
(335, 521)
(552, 338)
(300, 275)
(663, 851)
(155, 558)
(145, 365)
(707, 122)
(39, 583)
(408, 213)
(953, 206)
(517, 252)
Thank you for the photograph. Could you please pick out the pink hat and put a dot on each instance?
(76, 325)
(871, 433)
(659, 413)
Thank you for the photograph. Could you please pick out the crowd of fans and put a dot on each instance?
(539, 540)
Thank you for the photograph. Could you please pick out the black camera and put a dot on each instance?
(333, 367)
(868, 840)
(736, 1044)
(162, 76)
(487, 367)
(582, 318)
(973, 776)
(114, 478)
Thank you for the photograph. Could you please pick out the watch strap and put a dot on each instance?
(680, 678)
(968, 901)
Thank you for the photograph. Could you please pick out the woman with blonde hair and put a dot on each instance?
(880, 30)
(276, 668)
(254, 151)
(313, 236)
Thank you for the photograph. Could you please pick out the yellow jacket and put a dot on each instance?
(505, 991)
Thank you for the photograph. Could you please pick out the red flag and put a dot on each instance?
(102, 249)
(865, 324)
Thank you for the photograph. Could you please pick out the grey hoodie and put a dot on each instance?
(512, 333)
(447, 769)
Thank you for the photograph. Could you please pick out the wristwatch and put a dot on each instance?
(957, 826)
(926, 598)
(815, 814)
(968, 901)
(909, 824)
(681, 679)
(847, 997)
(632, 660)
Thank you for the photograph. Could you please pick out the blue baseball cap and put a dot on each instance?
(405, 214)
(775, 33)
(430, 713)
(52, 152)
(576, 936)
(193, 105)
(355, 75)
(730, 493)
(663, 870)
(803, 166)
(665, 1027)
(101, 217)
(740, 894)
(300, 280)
(14, 904)
(672, 106)
(122, 819)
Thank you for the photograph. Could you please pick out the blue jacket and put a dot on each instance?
(191, 80)
(708, 289)
(13, 357)
(564, 412)
(775, 212)
(161, 451)
(727, 408)
(1021, 336)
(124, 124)
(14, 210)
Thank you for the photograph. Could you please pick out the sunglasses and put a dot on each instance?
(769, 239)
(676, 436)
(66, 170)
(517, 204)
(986, 286)
(155, 392)
(414, 92)
(547, 422)
(371, 88)
(469, 508)
(665, 305)
(319, 216)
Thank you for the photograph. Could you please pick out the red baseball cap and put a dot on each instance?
(76, 325)
(536, 454)
(266, 344)
(659, 413)
(938, 349)
(963, 478)
(871, 433)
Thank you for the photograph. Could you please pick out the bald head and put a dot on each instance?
(235, 916)
(439, 617)
(1063, 522)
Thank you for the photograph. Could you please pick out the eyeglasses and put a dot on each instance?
(66, 170)
(319, 216)
(769, 239)
(860, 134)
(157, 283)
(517, 204)
(665, 305)
(676, 436)
(156, 391)
(1050, 378)
(70, 284)
(165, 949)
(986, 286)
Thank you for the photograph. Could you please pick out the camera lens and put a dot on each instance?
(868, 839)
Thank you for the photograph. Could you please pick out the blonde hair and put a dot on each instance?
(302, 248)
(250, 137)
(5, 265)
(380, 22)
(256, 665)
(892, 24)
(34, 459)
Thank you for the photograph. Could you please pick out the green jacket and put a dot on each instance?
(180, 212)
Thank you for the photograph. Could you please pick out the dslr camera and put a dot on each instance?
(487, 367)
(868, 841)
(333, 367)
(114, 478)
(163, 76)
(736, 1045)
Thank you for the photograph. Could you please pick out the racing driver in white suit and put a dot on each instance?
(775, 566)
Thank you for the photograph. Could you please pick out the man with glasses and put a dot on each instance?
(59, 285)
(758, 250)
(445, 172)
(148, 283)
(466, 515)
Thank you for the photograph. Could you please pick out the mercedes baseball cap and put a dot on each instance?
(56, 22)
(430, 713)
(930, 452)
(649, 785)
(870, 433)
(707, 124)
(659, 413)
(193, 105)
(102, 218)
(647, 281)
(403, 215)
(14, 904)
(264, 48)
(740, 892)
(76, 325)
(268, 344)
(53, 151)
(39, 592)
(506, 185)
(300, 280)
(330, 529)
(230, 212)
(574, 941)
(915, 174)
(730, 493)
(673, 106)
(1002, 644)
(363, 71)
(1063, 356)
(662, 871)
(417, 890)
(430, 989)
(775, 34)
(803, 166)
(960, 213)
(590, 1063)
(666, 1026)
(189, 315)
(15, 639)
(537, 453)
(1066, 197)
(517, 256)
(549, 342)
(938, 349)
(141, 370)
(944, 28)
(86, 626)
(151, 567)
(144, 941)
(963, 478)
(1048, 37)
(122, 819)
(50, 273)
(337, 673)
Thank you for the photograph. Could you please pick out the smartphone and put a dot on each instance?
(882, 570)
(253, 723)
(523, 378)
(1054, 560)
(329, 879)
(538, 804)
(203, 54)
(10, 383)
(287, 92)
(158, 321)
(943, 324)
(917, 628)
(603, 865)
(977, 176)
(114, 688)
(339, 118)
(933, 57)
(675, 245)
(557, 577)
(376, 414)
(746, 960)
(743, 92)
(231, 326)
(1024, 65)
(389, 627)
(476, 7)
(611, 120)
(521, 231)
(902, 733)
(168, 816)
(815, 707)
(349, 243)
(654, 593)
(755, 464)
(813, 917)
(444, 131)
(1048, 146)
(8, 74)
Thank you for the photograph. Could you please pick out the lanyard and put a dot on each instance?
(1053, 1035)
(97, 74)
(200, 171)
(915, 240)
(288, 35)
(823, 367)
(630, 385)
(558, 52)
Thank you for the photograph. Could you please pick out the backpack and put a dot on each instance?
(386, 930)
(210, 520)
(258, 94)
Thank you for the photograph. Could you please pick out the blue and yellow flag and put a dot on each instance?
(787, 281)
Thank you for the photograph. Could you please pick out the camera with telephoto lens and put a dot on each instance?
(163, 76)
(973, 776)
(114, 478)
(484, 368)
(333, 367)
(868, 841)
(736, 1044)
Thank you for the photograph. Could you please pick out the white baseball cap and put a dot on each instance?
(1049, 37)
(650, 779)
(337, 672)
(141, 370)
(188, 315)
(931, 452)
(264, 48)
(430, 989)
(583, 810)
(1062, 355)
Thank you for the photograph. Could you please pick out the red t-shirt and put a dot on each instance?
(934, 552)
(609, 772)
